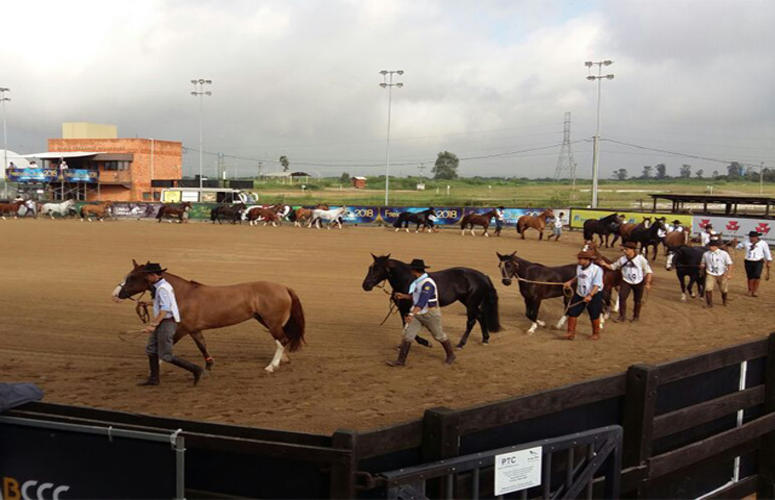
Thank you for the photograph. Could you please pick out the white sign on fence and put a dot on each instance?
(518, 470)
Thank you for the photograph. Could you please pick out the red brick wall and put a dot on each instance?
(167, 162)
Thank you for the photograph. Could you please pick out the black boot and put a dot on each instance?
(153, 364)
(723, 298)
(403, 352)
(636, 312)
(450, 352)
(622, 312)
(195, 370)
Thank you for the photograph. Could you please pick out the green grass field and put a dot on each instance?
(493, 192)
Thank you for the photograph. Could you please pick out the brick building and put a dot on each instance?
(124, 167)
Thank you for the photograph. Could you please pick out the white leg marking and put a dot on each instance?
(602, 322)
(616, 303)
(541, 323)
(532, 329)
(683, 297)
(278, 355)
(561, 322)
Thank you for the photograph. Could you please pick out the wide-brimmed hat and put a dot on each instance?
(708, 226)
(630, 244)
(418, 265)
(585, 254)
(714, 242)
(152, 268)
(676, 221)
(754, 234)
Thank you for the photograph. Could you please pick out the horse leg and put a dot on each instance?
(199, 340)
(682, 281)
(470, 322)
(486, 235)
(531, 311)
(541, 234)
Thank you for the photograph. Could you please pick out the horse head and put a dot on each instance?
(549, 212)
(133, 283)
(509, 267)
(378, 272)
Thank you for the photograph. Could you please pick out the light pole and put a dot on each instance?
(200, 92)
(387, 82)
(596, 143)
(3, 98)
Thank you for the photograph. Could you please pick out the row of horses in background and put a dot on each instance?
(317, 217)
(31, 208)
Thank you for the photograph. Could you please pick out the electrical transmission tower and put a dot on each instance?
(566, 166)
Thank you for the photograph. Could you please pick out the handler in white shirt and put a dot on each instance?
(588, 294)
(717, 265)
(636, 276)
(707, 235)
(757, 255)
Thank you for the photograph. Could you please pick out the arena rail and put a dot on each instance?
(703, 425)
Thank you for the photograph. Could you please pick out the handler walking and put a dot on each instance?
(162, 327)
(499, 220)
(636, 277)
(425, 313)
(757, 255)
(718, 270)
(588, 294)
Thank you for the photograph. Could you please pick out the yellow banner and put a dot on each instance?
(171, 197)
(579, 215)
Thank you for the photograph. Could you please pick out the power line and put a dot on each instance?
(678, 153)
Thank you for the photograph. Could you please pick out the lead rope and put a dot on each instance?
(393, 306)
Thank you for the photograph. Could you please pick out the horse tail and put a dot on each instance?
(491, 316)
(521, 224)
(294, 327)
(464, 221)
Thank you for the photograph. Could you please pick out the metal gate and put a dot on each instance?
(571, 465)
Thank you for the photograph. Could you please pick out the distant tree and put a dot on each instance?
(661, 171)
(285, 163)
(686, 171)
(734, 170)
(715, 174)
(646, 172)
(620, 174)
(445, 166)
(344, 178)
(698, 173)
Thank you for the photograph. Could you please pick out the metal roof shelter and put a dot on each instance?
(730, 202)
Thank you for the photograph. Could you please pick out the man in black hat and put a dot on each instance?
(162, 326)
(757, 254)
(425, 313)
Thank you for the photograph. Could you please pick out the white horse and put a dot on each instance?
(329, 216)
(62, 209)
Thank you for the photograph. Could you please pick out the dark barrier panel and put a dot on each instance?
(136, 210)
(241, 184)
(51, 463)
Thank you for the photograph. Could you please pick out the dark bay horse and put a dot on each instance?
(605, 226)
(204, 307)
(647, 237)
(468, 286)
(686, 261)
(473, 219)
(537, 222)
(512, 266)
(228, 211)
(626, 228)
(420, 218)
(179, 212)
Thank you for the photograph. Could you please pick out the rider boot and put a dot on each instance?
(450, 352)
(595, 329)
(153, 364)
(709, 299)
(636, 311)
(195, 370)
(622, 312)
(403, 352)
(723, 298)
(572, 320)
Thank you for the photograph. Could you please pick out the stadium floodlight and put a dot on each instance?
(387, 77)
(596, 142)
(200, 92)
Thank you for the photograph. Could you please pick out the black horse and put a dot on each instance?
(686, 261)
(229, 211)
(469, 286)
(534, 293)
(647, 237)
(423, 219)
(606, 226)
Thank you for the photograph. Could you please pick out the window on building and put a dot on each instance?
(157, 196)
(146, 196)
(116, 165)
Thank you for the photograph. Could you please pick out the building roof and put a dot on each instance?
(715, 198)
(55, 155)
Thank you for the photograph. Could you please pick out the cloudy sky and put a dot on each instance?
(489, 81)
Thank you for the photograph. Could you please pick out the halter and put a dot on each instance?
(141, 307)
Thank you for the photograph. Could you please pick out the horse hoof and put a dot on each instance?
(269, 369)
(459, 347)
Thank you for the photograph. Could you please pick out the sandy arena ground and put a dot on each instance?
(59, 328)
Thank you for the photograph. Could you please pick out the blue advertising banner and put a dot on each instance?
(444, 215)
(32, 174)
(81, 175)
(357, 214)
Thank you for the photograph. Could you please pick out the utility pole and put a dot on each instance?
(200, 92)
(596, 143)
(761, 178)
(260, 167)
(3, 99)
(565, 162)
(387, 77)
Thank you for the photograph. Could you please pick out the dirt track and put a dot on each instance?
(60, 329)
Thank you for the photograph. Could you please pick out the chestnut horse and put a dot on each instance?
(10, 208)
(303, 214)
(173, 211)
(204, 307)
(626, 229)
(473, 219)
(537, 222)
(97, 211)
(258, 214)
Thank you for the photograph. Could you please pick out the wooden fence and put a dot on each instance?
(682, 433)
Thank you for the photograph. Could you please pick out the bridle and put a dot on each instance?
(141, 307)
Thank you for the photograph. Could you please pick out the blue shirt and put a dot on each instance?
(423, 291)
(164, 300)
